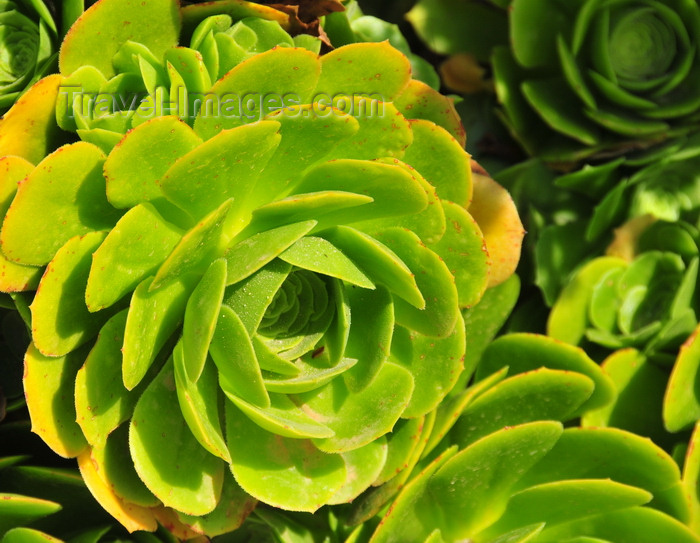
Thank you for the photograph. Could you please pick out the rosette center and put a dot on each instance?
(18, 53)
(642, 45)
(301, 305)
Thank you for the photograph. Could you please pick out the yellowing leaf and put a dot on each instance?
(495, 213)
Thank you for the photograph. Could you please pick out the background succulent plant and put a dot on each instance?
(240, 307)
(29, 35)
(605, 78)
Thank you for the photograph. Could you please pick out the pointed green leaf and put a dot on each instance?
(199, 403)
(153, 316)
(282, 418)
(321, 256)
(253, 253)
(197, 249)
(133, 250)
(378, 261)
(201, 315)
(233, 353)
(251, 297)
(16, 510)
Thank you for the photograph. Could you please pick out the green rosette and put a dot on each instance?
(241, 297)
(578, 80)
(606, 77)
(28, 39)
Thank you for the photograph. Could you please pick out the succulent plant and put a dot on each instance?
(244, 306)
(579, 80)
(28, 39)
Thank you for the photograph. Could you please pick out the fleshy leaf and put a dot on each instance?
(48, 384)
(364, 68)
(253, 253)
(94, 38)
(463, 249)
(434, 280)
(132, 517)
(233, 508)
(199, 404)
(280, 77)
(473, 487)
(283, 472)
(362, 465)
(29, 129)
(220, 169)
(358, 418)
(108, 459)
(526, 352)
(60, 319)
(132, 251)
(201, 315)
(66, 189)
(282, 418)
(682, 402)
(440, 158)
(378, 261)
(494, 211)
(101, 401)
(153, 317)
(167, 457)
(14, 277)
(232, 350)
(321, 256)
(434, 363)
(135, 165)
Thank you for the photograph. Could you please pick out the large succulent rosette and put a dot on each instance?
(239, 302)
(598, 77)
(577, 79)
